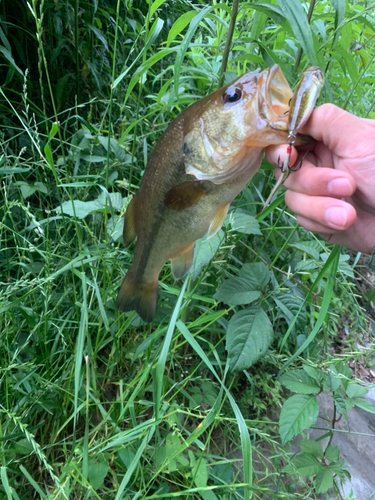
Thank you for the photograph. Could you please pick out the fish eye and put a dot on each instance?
(232, 95)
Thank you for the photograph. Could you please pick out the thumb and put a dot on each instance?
(339, 130)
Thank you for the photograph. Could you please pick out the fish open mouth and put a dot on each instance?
(274, 98)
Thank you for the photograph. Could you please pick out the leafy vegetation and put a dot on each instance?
(95, 404)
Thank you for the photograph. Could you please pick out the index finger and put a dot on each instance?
(339, 130)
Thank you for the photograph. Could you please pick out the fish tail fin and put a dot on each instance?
(138, 296)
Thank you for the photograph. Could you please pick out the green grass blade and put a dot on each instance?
(297, 18)
(331, 267)
(160, 367)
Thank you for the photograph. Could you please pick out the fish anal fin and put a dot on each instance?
(129, 233)
(140, 297)
(185, 195)
(218, 220)
(182, 263)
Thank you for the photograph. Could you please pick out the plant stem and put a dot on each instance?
(299, 53)
(228, 43)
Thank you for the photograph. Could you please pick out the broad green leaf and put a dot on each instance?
(243, 223)
(312, 447)
(314, 373)
(290, 305)
(180, 25)
(300, 382)
(297, 18)
(323, 480)
(244, 289)
(78, 208)
(249, 335)
(340, 403)
(298, 413)
(115, 227)
(312, 248)
(355, 390)
(200, 473)
(233, 292)
(205, 250)
(97, 474)
(307, 464)
(257, 274)
(364, 404)
(332, 453)
(272, 11)
(126, 456)
(23, 447)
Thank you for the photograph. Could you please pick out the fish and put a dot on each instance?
(202, 161)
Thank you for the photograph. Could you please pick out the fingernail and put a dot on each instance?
(340, 187)
(336, 217)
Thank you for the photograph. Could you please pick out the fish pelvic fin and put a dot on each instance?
(129, 233)
(138, 296)
(182, 263)
(185, 195)
(218, 220)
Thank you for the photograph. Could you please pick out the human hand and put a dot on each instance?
(337, 199)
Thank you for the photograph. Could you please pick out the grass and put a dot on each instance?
(95, 404)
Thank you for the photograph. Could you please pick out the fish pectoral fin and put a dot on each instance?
(185, 195)
(218, 220)
(129, 233)
(182, 263)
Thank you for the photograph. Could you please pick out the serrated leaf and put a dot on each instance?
(355, 390)
(249, 335)
(314, 373)
(243, 223)
(323, 480)
(312, 248)
(290, 306)
(298, 413)
(307, 464)
(233, 292)
(299, 381)
(364, 404)
(332, 453)
(312, 447)
(257, 274)
(340, 404)
(297, 18)
(97, 473)
(205, 250)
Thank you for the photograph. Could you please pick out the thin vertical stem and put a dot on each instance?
(76, 42)
(228, 43)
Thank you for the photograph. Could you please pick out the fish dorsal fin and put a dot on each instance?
(185, 195)
(181, 264)
(218, 220)
(129, 233)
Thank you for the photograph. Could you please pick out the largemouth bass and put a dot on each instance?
(202, 161)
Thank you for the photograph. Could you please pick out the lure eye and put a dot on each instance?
(232, 95)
